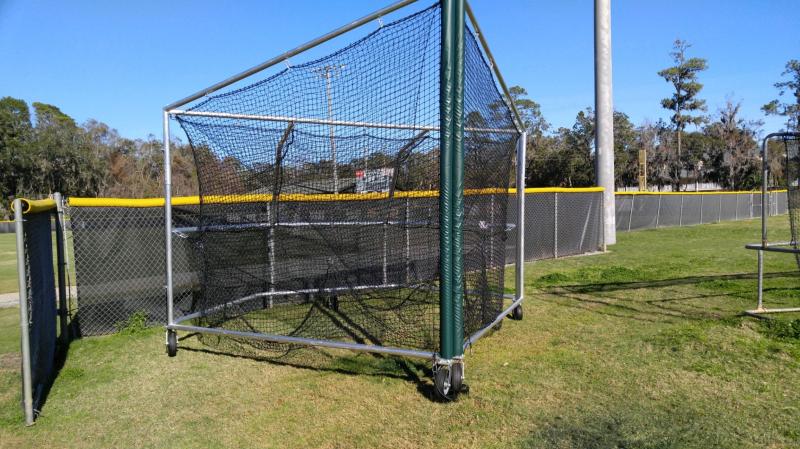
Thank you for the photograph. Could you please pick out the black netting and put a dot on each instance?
(314, 228)
(41, 293)
(792, 148)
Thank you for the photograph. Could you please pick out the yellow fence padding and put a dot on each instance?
(297, 197)
(36, 206)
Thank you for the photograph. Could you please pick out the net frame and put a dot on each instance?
(448, 351)
(791, 180)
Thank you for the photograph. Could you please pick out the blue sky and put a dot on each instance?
(120, 62)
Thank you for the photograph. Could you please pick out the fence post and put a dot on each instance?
(25, 344)
(680, 218)
(61, 265)
(719, 213)
(555, 225)
(751, 205)
(630, 216)
(658, 212)
(701, 208)
(736, 215)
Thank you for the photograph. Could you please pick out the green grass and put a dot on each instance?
(8, 263)
(641, 347)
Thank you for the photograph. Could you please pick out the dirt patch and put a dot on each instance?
(9, 361)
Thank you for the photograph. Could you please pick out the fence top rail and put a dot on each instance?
(301, 197)
(36, 206)
(738, 192)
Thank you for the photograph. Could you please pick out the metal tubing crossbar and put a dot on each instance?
(306, 341)
(274, 293)
(318, 121)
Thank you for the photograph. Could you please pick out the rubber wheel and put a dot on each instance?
(456, 378)
(516, 314)
(448, 381)
(441, 383)
(172, 343)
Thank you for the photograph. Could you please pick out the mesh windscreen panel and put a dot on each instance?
(41, 294)
(317, 228)
(119, 265)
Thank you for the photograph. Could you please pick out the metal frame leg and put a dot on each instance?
(25, 344)
(168, 226)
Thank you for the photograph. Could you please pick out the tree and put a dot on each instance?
(790, 110)
(684, 101)
(530, 112)
(733, 159)
(626, 151)
(15, 135)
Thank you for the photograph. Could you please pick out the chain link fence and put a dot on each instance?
(119, 252)
(651, 210)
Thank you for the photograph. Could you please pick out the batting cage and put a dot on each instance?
(784, 172)
(358, 200)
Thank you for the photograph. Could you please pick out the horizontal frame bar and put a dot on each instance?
(306, 341)
(773, 247)
(756, 312)
(316, 121)
(257, 226)
(477, 335)
(282, 293)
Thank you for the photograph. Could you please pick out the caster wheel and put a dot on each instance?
(457, 377)
(448, 381)
(516, 314)
(172, 343)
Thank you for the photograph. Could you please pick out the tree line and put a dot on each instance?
(722, 147)
(43, 150)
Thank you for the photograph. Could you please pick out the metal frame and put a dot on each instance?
(172, 110)
(25, 344)
(765, 245)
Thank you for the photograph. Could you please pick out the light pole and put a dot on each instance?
(327, 73)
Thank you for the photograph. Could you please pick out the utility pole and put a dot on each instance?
(604, 116)
(327, 72)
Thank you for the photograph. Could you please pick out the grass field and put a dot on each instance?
(8, 263)
(641, 347)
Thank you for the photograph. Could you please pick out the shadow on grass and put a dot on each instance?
(312, 359)
(614, 298)
(319, 359)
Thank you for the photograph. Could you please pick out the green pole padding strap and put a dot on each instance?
(457, 208)
(445, 182)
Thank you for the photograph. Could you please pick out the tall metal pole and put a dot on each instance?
(25, 346)
(604, 115)
(168, 219)
(61, 270)
(458, 177)
(764, 199)
(519, 263)
(446, 182)
(327, 73)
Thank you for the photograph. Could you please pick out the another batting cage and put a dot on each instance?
(780, 166)
(357, 200)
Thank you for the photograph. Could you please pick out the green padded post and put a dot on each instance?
(445, 181)
(457, 190)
